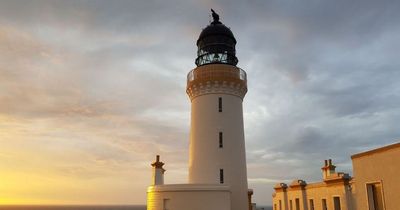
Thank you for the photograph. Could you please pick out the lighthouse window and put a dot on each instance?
(221, 176)
(220, 104)
(220, 140)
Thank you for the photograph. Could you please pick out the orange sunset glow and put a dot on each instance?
(91, 91)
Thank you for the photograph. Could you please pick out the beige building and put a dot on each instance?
(375, 185)
(334, 192)
(377, 174)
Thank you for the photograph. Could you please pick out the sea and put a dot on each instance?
(58, 207)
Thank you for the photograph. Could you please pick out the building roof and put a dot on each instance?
(377, 150)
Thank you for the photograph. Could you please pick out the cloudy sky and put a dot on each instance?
(91, 91)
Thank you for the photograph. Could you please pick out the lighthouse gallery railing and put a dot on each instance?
(236, 73)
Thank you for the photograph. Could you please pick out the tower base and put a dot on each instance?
(188, 196)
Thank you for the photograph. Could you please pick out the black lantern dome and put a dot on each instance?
(216, 44)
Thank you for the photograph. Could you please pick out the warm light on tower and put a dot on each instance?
(217, 157)
(216, 89)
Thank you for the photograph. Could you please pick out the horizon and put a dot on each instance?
(91, 91)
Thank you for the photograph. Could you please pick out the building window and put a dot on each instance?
(221, 143)
(375, 196)
(311, 204)
(275, 206)
(221, 176)
(324, 205)
(336, 203)
(290, 205)
(297, 204)
(166, 204)
(220, 104)
(280, 204)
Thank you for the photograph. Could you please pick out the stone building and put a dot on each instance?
(333, 192)
(375, 185)
(377, 178)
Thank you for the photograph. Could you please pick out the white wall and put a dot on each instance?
(206, 158)
(188, 197)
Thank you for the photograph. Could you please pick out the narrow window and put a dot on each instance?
(297, 204)
(220, 104)
(221, 176)
(290, 204)
(336, 203)
(280, 204)
(221, 143)
(275, 207)
(375, 196)
(324, 206)
(166, 204)
(311, 204)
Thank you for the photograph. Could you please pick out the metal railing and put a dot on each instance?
(237, 73)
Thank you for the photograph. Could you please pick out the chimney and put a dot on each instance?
(328, 169)
(331, 168)
(158, 171)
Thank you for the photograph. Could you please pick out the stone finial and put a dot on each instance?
(157, 163)
(158, 171)
(281, 185)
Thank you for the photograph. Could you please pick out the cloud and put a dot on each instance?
(91, 91)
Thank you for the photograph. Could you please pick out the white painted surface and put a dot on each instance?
(158, 176)
(188, 197)
(206, 158)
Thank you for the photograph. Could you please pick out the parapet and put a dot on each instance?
(298, 183)
(216, 78)
(280, 186)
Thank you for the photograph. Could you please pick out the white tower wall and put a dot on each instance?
(217, 159)
(206, 157)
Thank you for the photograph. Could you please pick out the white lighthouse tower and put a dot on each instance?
(216, 88)
(217, 157)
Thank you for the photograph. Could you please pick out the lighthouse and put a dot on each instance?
(217, 157)
(216, 88)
